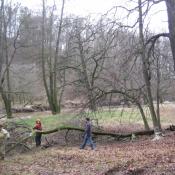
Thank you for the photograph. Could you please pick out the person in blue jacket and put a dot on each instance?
(88, 135)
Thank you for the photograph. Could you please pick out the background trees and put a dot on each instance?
(109, 60)
(9, 35)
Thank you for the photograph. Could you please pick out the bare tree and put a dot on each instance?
(88, 50)
(50, 84)
(146, 69)
(9, 36)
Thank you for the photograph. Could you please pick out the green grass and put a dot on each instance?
(131, 115)
(48, 122)
(105, 117)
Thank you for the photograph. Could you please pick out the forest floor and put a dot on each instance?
(143, 156)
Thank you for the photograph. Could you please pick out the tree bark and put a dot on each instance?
(115, 135)
(158, 90)
(146, 125)
(88, 85)
(170, 4)
(1, 38)
(146, 69)
(51, 86)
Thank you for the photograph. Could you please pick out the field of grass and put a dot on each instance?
(48, 121)
(105, 117)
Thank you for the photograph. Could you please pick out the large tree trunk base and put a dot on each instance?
(158, 136)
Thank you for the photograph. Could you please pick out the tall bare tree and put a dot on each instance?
(50, 84)
(89, 47)
(146, 68)
(9, 34)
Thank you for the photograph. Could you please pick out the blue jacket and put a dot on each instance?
(88, 129)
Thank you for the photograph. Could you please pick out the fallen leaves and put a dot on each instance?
(127, 158)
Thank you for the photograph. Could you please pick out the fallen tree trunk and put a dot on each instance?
(115, 135)
(100, 133)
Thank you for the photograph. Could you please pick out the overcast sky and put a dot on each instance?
(158, 19)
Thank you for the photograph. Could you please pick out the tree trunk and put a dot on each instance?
(8, 107)
(8, 95)
(1, 37)
(5, 77)
(171, 24)
(146, 69)
(146, 125)
(7, 103)
(51, 85)
(158, 90)
(102, 133)
(88, 85)
(43, 56)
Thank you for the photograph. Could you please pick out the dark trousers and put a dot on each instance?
(38, 139)
(87, 140)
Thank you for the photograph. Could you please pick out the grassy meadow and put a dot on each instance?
(105, 117)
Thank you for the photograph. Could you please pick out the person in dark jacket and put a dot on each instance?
(38, 128)
(88, 135)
